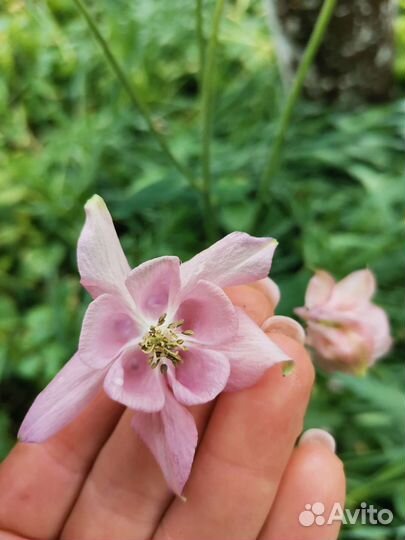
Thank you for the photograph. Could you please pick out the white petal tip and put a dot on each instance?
(26, 437)
(23, 434)
(94, 202)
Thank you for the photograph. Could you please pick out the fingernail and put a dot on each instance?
(318, 436)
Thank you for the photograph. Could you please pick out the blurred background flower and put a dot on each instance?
(68, 130)
(345, 329)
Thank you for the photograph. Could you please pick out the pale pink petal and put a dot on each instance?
(154, 285)
(107, 328)
(171, 435)
(102, 264)
(351, 356)
(208, 312)
(201, 377)
(356, 288)
(235, 260)
(319, 289)
(303, 312)
(61, 401)
(327, 315)
(251, 353)
(132, 382)
(379, 326)
(284, 325)
(348, 346)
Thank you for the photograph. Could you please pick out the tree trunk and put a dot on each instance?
(355, 61)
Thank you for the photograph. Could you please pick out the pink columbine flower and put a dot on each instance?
(159, 338)
(346, 330)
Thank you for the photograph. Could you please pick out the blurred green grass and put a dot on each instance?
(67, 130)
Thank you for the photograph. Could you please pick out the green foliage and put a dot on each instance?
(67, 130)
(399, 32)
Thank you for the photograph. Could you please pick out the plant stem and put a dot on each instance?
(199, 25)
(133, 93)
(274, 159)
(207, 116)
(374, 484)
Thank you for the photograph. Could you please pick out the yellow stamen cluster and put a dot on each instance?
(164, 342)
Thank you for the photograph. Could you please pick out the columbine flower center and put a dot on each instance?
(164, 342)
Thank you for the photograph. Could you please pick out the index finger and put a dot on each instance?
(40, 482)
(242, 456)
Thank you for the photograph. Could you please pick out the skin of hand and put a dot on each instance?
(95, 480)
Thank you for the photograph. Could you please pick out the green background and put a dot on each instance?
(67, 130)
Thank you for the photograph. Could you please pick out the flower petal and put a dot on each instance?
(61, 401)
(346, 345)
(171, 435)
(102, 264)
(284, 325)
(154, 285)
(132, 382)
(319, 289)
(251, 353)
(235, 260)
(379, 326)
(201, 377)
(209, 313)
(356, 288)
(107, 327)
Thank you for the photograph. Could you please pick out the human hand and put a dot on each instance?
(95, 480)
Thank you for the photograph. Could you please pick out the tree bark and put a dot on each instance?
(355, 61)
